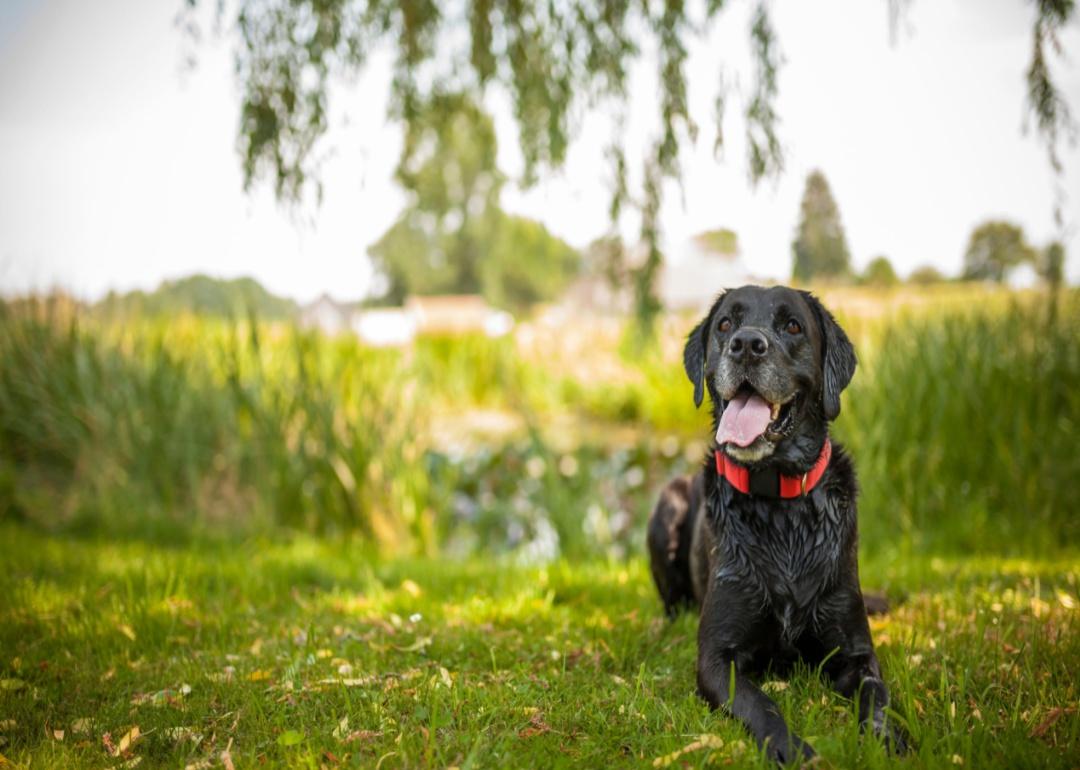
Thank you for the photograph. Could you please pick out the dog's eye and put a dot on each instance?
(793, 327)
(725, 324)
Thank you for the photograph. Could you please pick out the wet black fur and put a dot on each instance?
(775, 580)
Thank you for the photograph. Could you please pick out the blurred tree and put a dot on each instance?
(202, 295)
(1051, 265)
(526, 264)
(447, 167)
(820, 248)
(879, 273)
(607, 256)
(721, 241)
(452, 236)
(551, 59)
(994, 248)
(1051, 268)
(925, 275)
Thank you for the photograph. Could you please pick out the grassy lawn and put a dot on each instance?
(310, 654)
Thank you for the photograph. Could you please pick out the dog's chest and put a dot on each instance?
(789, 550)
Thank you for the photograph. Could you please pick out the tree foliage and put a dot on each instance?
(1051, 265)
(452, 236)
(926, 275)
(820, 248)
(994, 248)
(721, 241)
(553, 60)
(201, 295)
(1045, 99)
(880, 273)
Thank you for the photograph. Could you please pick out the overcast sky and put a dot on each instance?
(118, 167)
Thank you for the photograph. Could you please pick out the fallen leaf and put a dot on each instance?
(81, 726)
(342, 728)
(411, 588)
(126, 630)
(258, 675)
(225, 675)
(126, 742)
(537, 726)
(180, 734)
(703, 742)
(58, 734)
(361, 735)
(290, 738)
(362, 681)
(421, 643)
(1052, 716)
(166, 697)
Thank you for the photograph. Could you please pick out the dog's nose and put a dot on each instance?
(748, 343)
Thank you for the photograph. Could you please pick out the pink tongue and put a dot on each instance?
(745, 418)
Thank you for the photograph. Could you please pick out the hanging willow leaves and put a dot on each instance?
(555, 59)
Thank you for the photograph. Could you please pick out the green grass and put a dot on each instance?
(164, 488)
(308, 653)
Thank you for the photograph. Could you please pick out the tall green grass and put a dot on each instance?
(962, 423)
(965, 428)
(169, 429)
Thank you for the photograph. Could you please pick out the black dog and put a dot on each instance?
(764, 539)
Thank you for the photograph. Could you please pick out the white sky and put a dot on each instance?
(118, 169)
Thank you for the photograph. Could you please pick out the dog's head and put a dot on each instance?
(774, 362)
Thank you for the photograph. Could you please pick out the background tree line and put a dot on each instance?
(995, 247)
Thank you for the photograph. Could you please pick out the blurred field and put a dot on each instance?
(962, 418)
(237, 542)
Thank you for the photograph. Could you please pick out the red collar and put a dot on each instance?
(765, 484)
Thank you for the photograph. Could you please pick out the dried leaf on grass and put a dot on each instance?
(702, 742)
(537, 726)
(1052, 716)
(124, 745)
(361, 735)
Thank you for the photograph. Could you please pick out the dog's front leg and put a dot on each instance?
(855, 671)
(723, 684)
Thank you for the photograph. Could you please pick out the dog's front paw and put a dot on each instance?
(892, 735)
(789, 750)
(895, 739)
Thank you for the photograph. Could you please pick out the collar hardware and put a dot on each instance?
(770, 483)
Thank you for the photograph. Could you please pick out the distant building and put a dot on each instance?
(385, 326)
(457, 313)
(700, 268)
(1023, 276)
(398, 326)
(327, 315)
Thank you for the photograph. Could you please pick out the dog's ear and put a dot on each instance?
(839, 361)
(697, 344)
